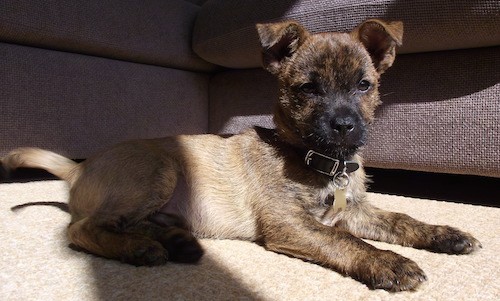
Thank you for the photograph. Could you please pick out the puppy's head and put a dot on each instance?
(328, 82)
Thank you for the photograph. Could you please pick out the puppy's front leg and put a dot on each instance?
(367, 221)
(307, 239)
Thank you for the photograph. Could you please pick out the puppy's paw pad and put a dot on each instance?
(453, 241)
(397, 282)
(147, 255)
(184, 248)
(393, 272)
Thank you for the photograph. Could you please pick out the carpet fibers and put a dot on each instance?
(38, 265)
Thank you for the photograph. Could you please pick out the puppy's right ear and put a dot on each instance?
(380, 39)
(279, 41)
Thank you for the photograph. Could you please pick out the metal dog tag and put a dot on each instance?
(340, 181)
(340, 202)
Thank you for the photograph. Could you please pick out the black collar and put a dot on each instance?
(320, 163)
(327, 165)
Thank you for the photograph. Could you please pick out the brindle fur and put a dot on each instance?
(129, 202)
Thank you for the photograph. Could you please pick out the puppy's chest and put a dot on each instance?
(329, 202)
(314, 197)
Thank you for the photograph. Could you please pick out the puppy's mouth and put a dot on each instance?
(342, 150)
(338, 135)
(341, 142)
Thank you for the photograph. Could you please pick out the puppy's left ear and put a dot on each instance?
(279, 41)
(380, 39)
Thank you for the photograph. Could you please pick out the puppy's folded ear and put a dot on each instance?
(279, 41)
(380, 39)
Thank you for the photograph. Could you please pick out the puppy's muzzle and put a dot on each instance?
(343, 125)
(346, 124)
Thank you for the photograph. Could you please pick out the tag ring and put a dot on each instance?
(341, 180)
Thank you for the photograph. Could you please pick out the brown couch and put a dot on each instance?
(76, 76)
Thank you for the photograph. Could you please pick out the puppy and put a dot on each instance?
(297, 190)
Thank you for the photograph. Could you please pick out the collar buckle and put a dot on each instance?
(322, 163)
(328, 165)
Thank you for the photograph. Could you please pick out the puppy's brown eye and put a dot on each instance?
(309, 88)
(364, 85)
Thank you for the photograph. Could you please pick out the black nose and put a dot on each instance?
(343, 125)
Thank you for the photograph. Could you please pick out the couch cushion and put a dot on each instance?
(152, 32)
(225, 34)
(443, 116)
(448, 122)
(77, 104)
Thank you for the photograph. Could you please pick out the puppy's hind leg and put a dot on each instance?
(135, 249)
(173, 233)
(112, 204)
(162, 238)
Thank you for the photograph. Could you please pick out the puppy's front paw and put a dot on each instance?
(453, 241)
(390, 271)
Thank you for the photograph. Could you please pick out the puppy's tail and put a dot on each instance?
(57, 165)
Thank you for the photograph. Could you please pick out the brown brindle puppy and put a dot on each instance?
(275, 187)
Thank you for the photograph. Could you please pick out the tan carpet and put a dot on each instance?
(36, 263)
